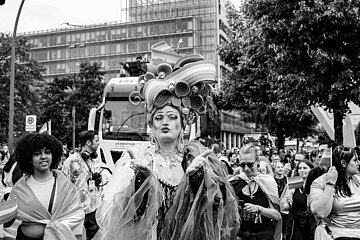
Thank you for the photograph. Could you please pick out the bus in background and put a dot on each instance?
(119, 123)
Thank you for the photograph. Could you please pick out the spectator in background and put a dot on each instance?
(47, 201)
(258, 199)
(87, 174)
(300, 222)
(223, 159)
(234, 163)
(265, 166)
(297, 158)
(281, 182)
(315, 157)
(334, 197)
(11, 175)
(4, 157)
(275, 158)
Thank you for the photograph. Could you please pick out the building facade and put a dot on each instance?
(191, 26)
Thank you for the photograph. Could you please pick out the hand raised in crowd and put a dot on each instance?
(138, 168)
(331, 175)
(198, 162)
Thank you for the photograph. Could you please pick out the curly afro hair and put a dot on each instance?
(34, 142)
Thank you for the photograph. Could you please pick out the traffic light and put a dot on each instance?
(2, 2)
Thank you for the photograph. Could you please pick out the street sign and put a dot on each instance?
(30, 123)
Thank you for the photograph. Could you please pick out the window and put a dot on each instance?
(161, 28)
(143, 46)
(102, 50)
(97, 50)
(52, 41)
(123, 33)
(81, 52)
(154, 29)
(123, 47)
(71, 67)
(92, 37)
(113, 34)
(132, 46)
(63, 53)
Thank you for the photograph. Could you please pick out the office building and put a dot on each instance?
(197, 24)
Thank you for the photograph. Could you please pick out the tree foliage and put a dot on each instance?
(83, 90)
(27, 75)
(290, 55)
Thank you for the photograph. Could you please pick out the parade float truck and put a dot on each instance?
(120, 124)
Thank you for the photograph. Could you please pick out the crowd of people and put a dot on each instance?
(179, 189)
(321, 206)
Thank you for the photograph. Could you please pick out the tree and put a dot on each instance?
(357, 134)
(27, 75)
(297, 53)
(83, 90)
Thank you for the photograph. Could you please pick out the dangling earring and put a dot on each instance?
(180, 146)
(154, 141)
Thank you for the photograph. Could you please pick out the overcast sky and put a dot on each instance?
(49, 14)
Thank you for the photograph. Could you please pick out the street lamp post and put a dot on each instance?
(12, 82)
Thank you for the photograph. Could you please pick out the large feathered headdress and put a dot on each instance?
(180, 81)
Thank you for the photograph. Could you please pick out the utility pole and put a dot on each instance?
(12, 83)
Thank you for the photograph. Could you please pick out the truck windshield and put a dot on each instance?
(124, 121)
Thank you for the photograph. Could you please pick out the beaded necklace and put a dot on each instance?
(172, 158)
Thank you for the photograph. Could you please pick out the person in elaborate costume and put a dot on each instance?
(334, 197)
(177, 190)
(48, 205)
(258, 199)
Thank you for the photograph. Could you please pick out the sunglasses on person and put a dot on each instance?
(249, 164)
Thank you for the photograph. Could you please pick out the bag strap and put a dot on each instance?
(328, 231)
(52, 196)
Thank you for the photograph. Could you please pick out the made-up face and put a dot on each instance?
(166, 124)
(249, 164)
(303, 170)
(42, 160)
(352, 167)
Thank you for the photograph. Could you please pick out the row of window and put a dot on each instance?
(151, 29)
(79, 51)
(138, 15)
(107, 64)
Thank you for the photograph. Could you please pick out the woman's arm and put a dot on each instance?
(270, 213)
(289, 200)
(321, 197)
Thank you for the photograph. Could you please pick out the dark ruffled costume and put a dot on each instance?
(202, 206)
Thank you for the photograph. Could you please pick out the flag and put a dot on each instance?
(348, 133)
(295, 182)
(327, 121)
(326, 158)
(8, 210)
(46, 127)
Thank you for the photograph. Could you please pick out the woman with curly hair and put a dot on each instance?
(334, 197)
(48, 205)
